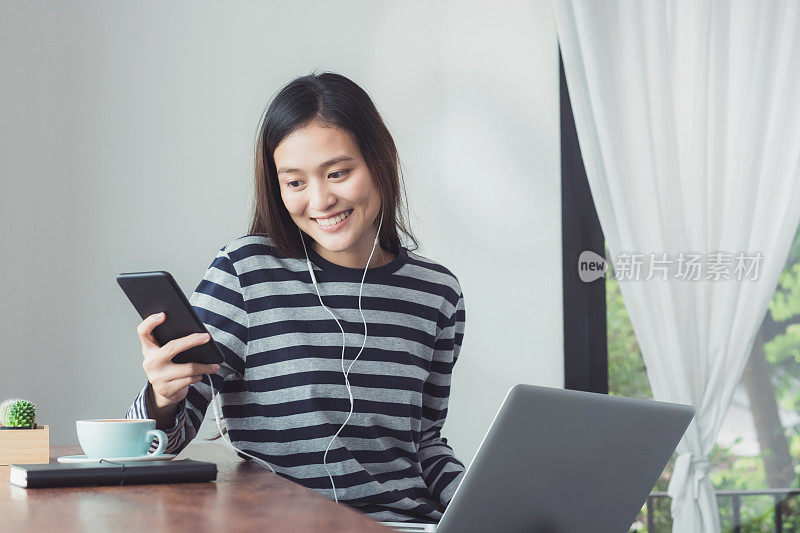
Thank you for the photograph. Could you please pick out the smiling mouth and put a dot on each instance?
(332, 221)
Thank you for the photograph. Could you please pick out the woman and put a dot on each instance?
(327, 190)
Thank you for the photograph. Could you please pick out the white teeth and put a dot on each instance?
(334, 220)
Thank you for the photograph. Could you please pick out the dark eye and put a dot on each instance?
(342, 172)
(290, 184)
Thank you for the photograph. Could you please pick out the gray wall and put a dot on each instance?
(127, 140)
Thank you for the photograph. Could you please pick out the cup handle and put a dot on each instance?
(162, 440)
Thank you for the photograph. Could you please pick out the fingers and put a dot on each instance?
(171, 381)
(185, 370)
(145, 332)
(158, 363)
(176, 346)
(175, 386)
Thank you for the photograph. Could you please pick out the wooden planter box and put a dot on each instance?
(25, 446)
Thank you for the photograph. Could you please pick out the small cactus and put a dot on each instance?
(17, 413)
(5, 409)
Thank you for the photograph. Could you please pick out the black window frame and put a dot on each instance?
(585, 337)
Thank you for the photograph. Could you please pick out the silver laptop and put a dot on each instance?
(556, 460)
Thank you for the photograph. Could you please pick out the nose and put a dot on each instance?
(322, 197)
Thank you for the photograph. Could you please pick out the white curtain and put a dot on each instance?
(688, 117)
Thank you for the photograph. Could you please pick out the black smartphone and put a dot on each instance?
(156, 292)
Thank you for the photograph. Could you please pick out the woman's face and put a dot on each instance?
(322, 176)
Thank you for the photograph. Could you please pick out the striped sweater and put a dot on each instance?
(284, 395)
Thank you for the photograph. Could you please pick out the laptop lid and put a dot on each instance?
(556, 460)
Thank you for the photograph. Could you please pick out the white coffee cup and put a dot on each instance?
(119, 437)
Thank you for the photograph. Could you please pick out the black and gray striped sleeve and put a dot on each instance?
(219, 304)
(441, 470)
(139, 410)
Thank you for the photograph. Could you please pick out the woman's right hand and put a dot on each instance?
(170, 381)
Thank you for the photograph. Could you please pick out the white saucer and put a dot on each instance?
(83, 459)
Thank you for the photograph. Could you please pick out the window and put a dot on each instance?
(759, 444)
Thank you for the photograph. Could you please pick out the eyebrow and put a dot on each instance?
(330, 162)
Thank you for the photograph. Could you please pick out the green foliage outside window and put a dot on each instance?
(781, 349)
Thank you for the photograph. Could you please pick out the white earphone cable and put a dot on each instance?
(346, 373)
(215, 395)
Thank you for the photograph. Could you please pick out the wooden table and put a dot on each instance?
(245, 497)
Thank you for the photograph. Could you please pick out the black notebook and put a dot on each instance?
(111, 473)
